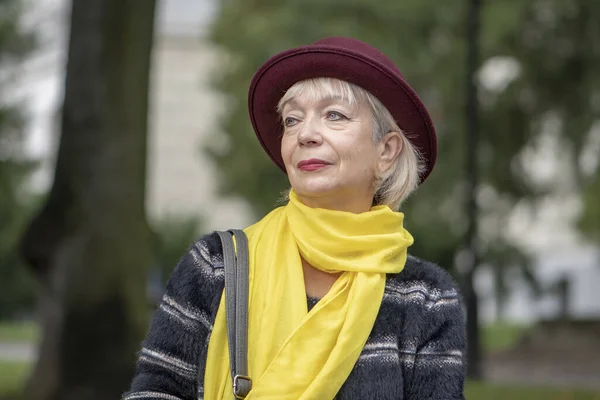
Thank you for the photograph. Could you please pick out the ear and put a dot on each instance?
(389, 150)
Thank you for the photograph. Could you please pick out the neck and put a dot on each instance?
(347, 202)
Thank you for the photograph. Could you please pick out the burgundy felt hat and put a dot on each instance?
(347, 59)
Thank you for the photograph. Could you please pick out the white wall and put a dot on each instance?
(184, 113)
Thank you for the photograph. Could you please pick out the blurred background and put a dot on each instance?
(124, 136)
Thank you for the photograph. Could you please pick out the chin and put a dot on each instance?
(314, 189)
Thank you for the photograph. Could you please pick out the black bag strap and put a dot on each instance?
(236, 307)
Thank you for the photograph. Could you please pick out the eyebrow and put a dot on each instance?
(329, 98)
(291, 101)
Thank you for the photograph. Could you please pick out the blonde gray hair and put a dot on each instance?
(398, 182)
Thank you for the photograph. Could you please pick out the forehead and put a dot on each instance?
(320, 90)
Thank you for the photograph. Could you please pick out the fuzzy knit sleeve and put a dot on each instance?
(168, 362)
(437, 368)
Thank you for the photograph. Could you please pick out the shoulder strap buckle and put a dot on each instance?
(241, 386)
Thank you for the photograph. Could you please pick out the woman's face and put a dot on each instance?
(329, 154)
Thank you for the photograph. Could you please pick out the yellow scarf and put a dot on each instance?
(293, 353)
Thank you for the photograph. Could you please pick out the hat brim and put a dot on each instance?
(283, 70)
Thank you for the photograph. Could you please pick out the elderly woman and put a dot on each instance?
(337, 309)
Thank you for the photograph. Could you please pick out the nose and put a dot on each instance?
(310, 134)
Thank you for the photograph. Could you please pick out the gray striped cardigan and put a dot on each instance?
(415, 350)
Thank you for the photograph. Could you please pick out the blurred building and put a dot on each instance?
(570, 274)
(184, 113)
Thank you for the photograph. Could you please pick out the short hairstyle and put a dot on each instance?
(396, 184)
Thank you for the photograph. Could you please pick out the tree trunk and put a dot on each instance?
(90, 244)
(474, 370)
(472, 168)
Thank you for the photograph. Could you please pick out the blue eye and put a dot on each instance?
(335, 116)
(289, 121)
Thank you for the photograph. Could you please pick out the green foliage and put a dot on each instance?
(16, 284)
(14, 42)
(501, 336)
(589, 221)
(174, 235)
(12, 378)
(16, 290)
(557, 47)
(20, 331)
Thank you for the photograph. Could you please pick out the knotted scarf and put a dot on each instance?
(293, 353)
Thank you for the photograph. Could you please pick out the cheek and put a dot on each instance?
(362, 161)
(286, 149)
(359, 152)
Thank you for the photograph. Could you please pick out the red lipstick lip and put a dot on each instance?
(312, 164)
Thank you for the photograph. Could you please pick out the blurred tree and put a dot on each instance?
(174, 235)
(470, 251)
(90, 246)
(506, 262)
(555, 91)
(547, 52)
(589, 221)
(16, 289)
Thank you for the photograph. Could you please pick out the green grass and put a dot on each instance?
(12, 377)
(483, 391)
(501, 336)
(13, 373)
(19, 332)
